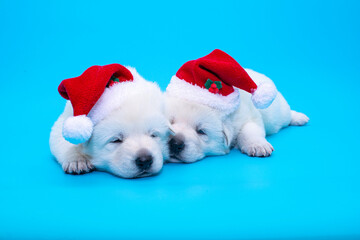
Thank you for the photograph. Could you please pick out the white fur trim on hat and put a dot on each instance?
(77, 129)
(193, 93)
(264, 95)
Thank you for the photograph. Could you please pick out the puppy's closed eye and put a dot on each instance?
(154, 134)
(118, 139)
(200, 131)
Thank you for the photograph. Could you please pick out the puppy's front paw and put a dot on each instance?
(257, 148)
(78, 167)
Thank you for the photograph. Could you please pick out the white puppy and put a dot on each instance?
(202, 131)
(129, 142)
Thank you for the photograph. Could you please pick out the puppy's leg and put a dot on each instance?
(298, 119)
(70, 156)
(251, 140)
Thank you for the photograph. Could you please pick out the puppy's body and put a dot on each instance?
(123, 140)
(251, 125)
(244, 129)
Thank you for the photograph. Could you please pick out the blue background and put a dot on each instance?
(309, 187)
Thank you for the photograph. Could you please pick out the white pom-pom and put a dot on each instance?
(264, 95)
(77, 129)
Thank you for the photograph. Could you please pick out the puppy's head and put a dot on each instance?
(199, 131)
(132, 140)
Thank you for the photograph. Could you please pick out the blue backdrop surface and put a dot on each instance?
(308, 188)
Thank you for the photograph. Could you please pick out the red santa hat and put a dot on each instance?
(215, 80)
(93, 95)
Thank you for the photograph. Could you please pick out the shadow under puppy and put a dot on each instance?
(113, 122)
(213, 104)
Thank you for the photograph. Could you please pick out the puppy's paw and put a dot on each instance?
(298, 119)
(78, 167)
(257, 148)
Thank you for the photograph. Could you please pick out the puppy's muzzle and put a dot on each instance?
(144, 160)
(177, 144)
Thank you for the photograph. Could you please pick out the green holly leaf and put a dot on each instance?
(208, 83)
(218, 84)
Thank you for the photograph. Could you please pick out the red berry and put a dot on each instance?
(213, 89)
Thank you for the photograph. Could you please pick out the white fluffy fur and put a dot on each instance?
(139, 121)
(245, 129)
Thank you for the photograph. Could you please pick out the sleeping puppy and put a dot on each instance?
(128, 131)
(213, 104)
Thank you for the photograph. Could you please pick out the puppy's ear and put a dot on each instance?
(227, 135)
(171, 131)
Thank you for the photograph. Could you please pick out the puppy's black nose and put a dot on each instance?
(144, 160)
(177, 143)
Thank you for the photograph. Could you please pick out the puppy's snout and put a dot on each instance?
(144, 159)
(177, 143)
